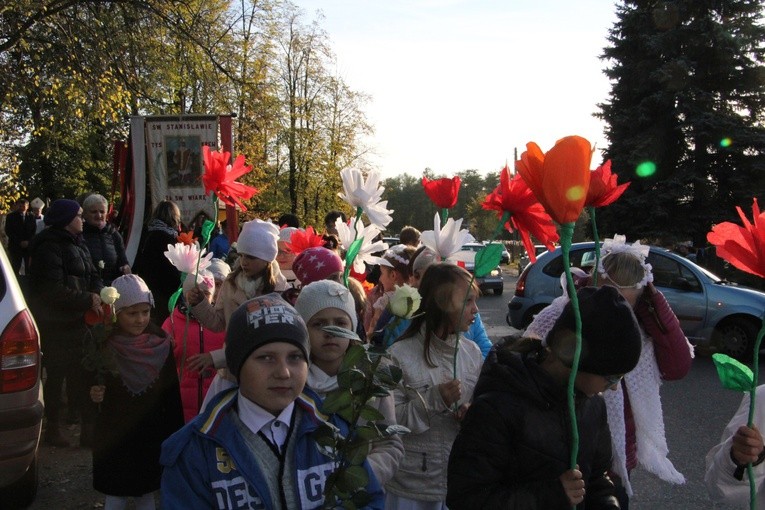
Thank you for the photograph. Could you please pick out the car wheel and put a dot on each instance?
(498, 292)
(22, 492)
(735, 337)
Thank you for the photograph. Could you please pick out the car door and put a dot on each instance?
(684, 291)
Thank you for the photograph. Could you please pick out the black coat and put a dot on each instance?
(157, 271)
(61, 282)
(129, 432)
(106, 245)
(515, 442)
(19, 227)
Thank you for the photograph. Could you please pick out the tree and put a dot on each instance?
(684, 117)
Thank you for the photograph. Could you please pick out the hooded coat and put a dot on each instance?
(515, 441)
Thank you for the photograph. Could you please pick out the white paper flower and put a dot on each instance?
(185, 257)
(404, 302)
(366, 194)
(447, 241)
(101, 264)
(347, 235)
(109, 295)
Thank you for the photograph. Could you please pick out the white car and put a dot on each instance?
(21, 399)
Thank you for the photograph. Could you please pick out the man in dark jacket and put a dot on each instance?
(64, 285)
(514, 446)
(20, 226)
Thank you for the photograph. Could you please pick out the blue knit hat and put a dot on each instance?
(62, 212)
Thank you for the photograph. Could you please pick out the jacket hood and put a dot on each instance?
(509, 371)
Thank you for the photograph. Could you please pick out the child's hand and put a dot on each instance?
(747, 445)
(200, 362)
(450, 392)
(97, 393)
(195, 296)
(95, 304)
(573, 485)
(461, 411)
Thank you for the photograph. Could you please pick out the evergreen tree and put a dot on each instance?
(684, 118)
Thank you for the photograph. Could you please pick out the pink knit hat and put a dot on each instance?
(314, 264)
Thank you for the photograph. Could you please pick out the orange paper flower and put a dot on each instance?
(187, 238)
(744, 247)
(220, 177)
(560, 178)
(526, 214)
(603, 189)
(302, 240)
(443, 192)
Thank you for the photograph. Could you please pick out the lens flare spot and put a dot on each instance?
(575, 193)
(645, 169)
(726, 142)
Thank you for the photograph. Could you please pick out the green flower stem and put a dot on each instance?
(444, 215)
(595, 237)
(750, 420)
(566, 232)
(350, 256)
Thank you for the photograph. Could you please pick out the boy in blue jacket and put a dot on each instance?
(252, 447)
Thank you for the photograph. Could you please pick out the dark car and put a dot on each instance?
(492, 281)
(21, 401)
(711, 311)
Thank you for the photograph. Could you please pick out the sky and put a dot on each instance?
(462, 84)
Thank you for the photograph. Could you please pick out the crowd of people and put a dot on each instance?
(216, 403)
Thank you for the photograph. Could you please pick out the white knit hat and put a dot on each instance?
(219, 269)
(132, 290)
(204, 279)
(322, 294)
(285, 234)
(258, 239)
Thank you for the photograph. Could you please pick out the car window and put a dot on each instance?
(583, 258)
(670, 273)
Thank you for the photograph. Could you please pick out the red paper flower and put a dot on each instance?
(220, 177)
(302, 240)
(526, 214)
(187, 238)
(744, 247)
(560, 178)
(443, 192)
(92, 318)
(603, 189)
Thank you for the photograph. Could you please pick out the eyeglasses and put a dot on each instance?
(613, 380)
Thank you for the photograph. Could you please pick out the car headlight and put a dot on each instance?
(495, 272)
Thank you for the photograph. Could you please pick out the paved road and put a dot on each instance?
(696, 409)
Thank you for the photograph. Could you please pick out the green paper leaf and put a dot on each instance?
(352, 356)
(487, 259)
(174, 299)
(207, 228)
(734, 375)
(353, 250)
(341, 332)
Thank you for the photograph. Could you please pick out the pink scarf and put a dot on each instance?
(139, 359)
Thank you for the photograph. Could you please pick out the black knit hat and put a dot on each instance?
(611, 339)
(260, 321)
(61, 212)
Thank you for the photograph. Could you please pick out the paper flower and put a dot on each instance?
(109, 295)
(347, 235)
(404, 302)
(187, 238)
(365, 194)
(744, 247)
(301, 240)
(447, 241)
(220, 177)
(603, 189)
(443, 192)
(559, 178)
(185, 257)
(527, 215)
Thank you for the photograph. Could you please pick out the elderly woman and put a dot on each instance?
(107, 249)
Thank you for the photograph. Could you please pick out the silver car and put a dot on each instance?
(21, 400)
(712, 312)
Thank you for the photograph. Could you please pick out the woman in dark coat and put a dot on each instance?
(107, 249)
(64, 285)
(158, 272)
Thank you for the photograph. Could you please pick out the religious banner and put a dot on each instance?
(174, 149)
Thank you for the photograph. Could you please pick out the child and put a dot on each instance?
(192, 346)
(140, 403)
(328, 303)
(253, 447)
(431, 401)
(394, 270)
(514, 445)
